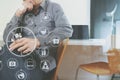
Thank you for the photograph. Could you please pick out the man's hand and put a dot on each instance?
(25, 45)
(25, 6)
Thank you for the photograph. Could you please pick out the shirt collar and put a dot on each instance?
(43, 4)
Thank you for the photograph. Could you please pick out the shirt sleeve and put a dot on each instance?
(14, 22)
(63, 29)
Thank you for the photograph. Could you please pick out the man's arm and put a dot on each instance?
(63, 29)
(16, 21)
(23, 44)
(61, 22)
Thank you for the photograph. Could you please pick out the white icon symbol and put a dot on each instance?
(30, 64)
(56, 41)
(18, 35)
(12, 40)
(45, 66)
(0, 48)
(46, 17)
(12, 63)
(21, 75)
(43, 52)
(43, 32)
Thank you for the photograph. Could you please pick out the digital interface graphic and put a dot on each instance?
(18, 33)
(20, 65)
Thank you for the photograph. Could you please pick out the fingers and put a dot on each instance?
(21, 49)
(12, 44)
(27, 50)
(24, 45)
(17, 43)
(20, 40)
(28, 5)
(16, 46)
(23, 8)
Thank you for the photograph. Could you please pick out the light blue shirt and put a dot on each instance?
(55, 24)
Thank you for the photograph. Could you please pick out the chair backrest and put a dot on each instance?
(114, 60)
(60, 55)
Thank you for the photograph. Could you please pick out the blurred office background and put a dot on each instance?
(92, 29)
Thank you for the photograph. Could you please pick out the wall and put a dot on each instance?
(78, 11)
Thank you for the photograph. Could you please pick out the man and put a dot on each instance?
(37, 15)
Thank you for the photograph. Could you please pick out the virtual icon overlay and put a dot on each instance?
(12, 63)
(30, 64)
(45, 65)
(43, 52)
(20, 64)
(21, 75)
(54, 41)
(18, 33)
(45, 17)
(43, 31)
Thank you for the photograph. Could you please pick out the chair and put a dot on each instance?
(111, 67)
(60, 55)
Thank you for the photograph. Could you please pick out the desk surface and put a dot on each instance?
(87, 42)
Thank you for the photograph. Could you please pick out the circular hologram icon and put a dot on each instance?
(45, 17)
(45, 65)
(43, 52)
(21, 75)
(30, 64)
(43, 31)
(55, 41)
(18, 33)
(12, 63)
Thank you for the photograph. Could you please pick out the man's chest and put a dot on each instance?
(40, 24)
